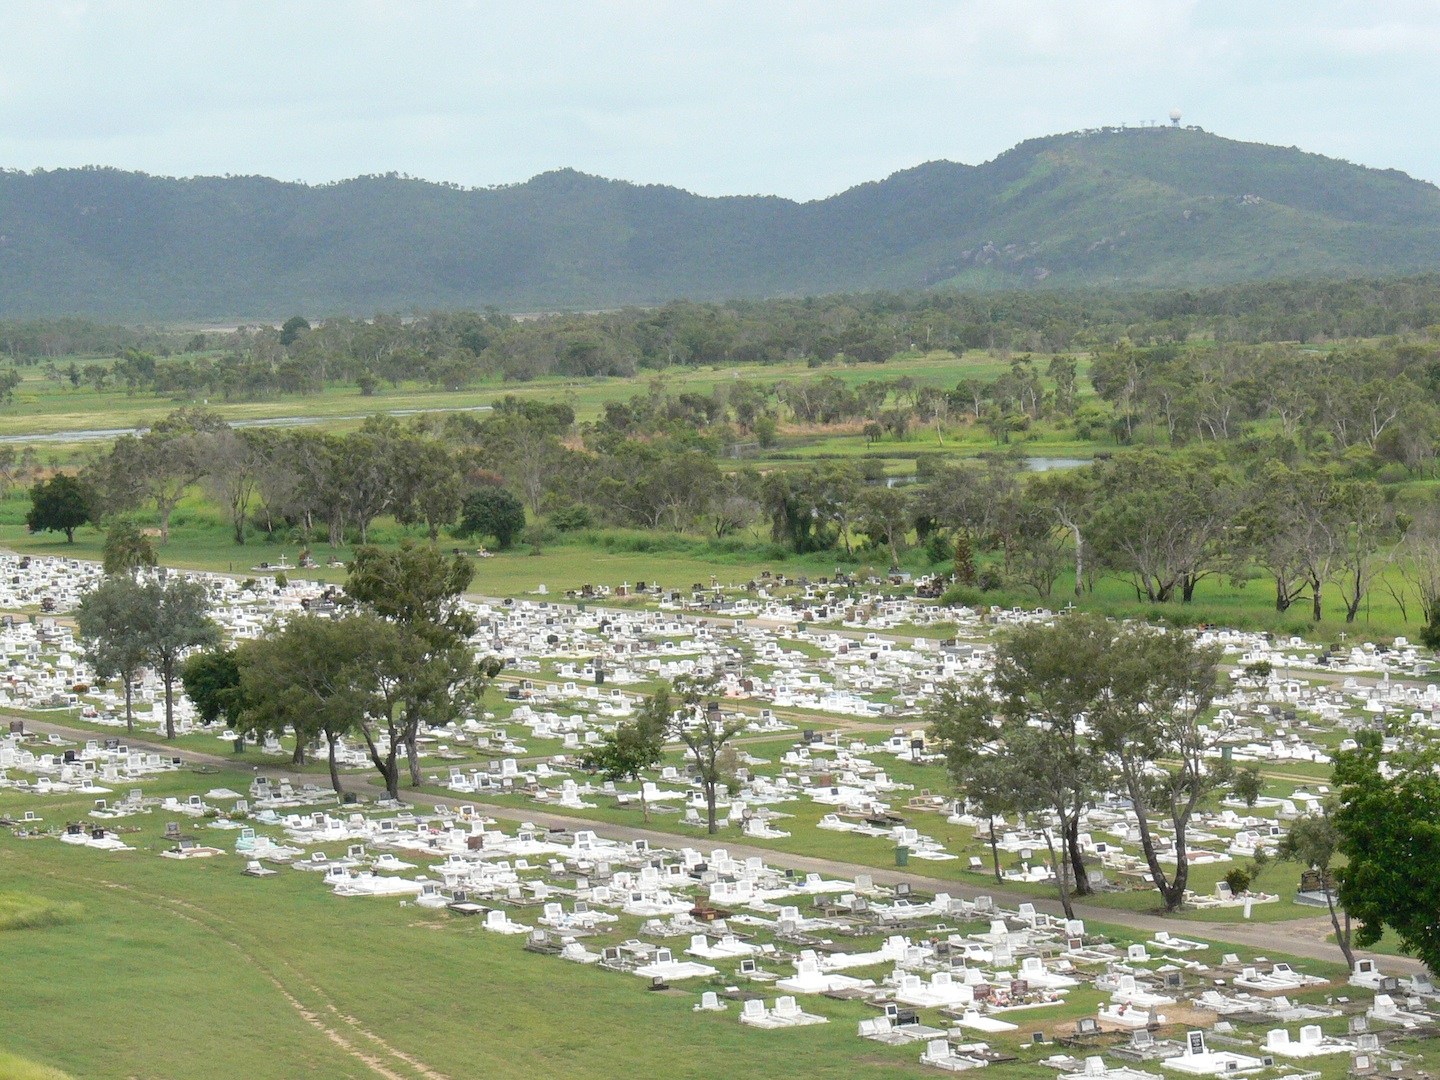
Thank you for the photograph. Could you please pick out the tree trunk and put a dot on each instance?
(298, 758)
(1079, 558)
(710, 807)
(412, 754)
(390, 769)
(1071, 831)
(1171, 891)
(389, 765)
(1062, 876)
(1342, 937)
(1175, 894)
(1315, 597)
(168, 673)
(644, 806)
(995, 852)
(334, 767)
(129, 715)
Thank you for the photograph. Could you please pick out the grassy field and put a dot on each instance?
(43, 406)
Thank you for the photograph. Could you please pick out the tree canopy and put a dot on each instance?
(59, 504)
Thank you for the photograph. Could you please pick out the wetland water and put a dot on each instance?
(106, 434)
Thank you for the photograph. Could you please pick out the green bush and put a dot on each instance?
(938, 548)
(571, 518)
(962, 596)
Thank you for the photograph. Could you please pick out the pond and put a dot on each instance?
(1049, 464)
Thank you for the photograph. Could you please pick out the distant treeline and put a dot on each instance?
(455, 350)
(29, 340)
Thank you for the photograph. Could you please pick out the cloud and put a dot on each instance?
(802, 98)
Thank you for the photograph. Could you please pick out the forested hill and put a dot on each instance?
(1146, 207)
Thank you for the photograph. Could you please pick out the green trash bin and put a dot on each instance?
(902, 856)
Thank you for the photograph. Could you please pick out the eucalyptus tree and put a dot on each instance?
(431, 671)
(1314, 842)
(126, 548)
(113, 622)
(1047, 681)
(702, 726)
(315, 676)
(987, 776)
(1159, 686)
(634, 746)
(178, 613)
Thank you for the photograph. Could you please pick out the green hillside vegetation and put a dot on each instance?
(1143, 207)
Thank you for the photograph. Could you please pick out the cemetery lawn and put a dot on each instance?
(190, 969)
(162, 968)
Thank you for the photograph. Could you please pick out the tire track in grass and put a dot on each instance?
(192, 913)
(311, 1017)
(173, 906)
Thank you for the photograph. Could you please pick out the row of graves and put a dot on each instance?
(583, 661)
(576, 673)
(783, 599)
(835, 781)
(796, 663)
(781, 666)
(43, 662)
(949, 983)
(954, 984)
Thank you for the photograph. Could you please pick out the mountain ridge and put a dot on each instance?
(1149, 207)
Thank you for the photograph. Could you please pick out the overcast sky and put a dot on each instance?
(794, 97)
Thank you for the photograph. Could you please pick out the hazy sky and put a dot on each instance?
(793, 97)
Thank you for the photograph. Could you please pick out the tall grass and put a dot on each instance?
(15, 1068)
(22, 911)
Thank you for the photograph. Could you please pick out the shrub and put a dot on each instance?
(962, 596)
(938, 548)
(571, 518)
